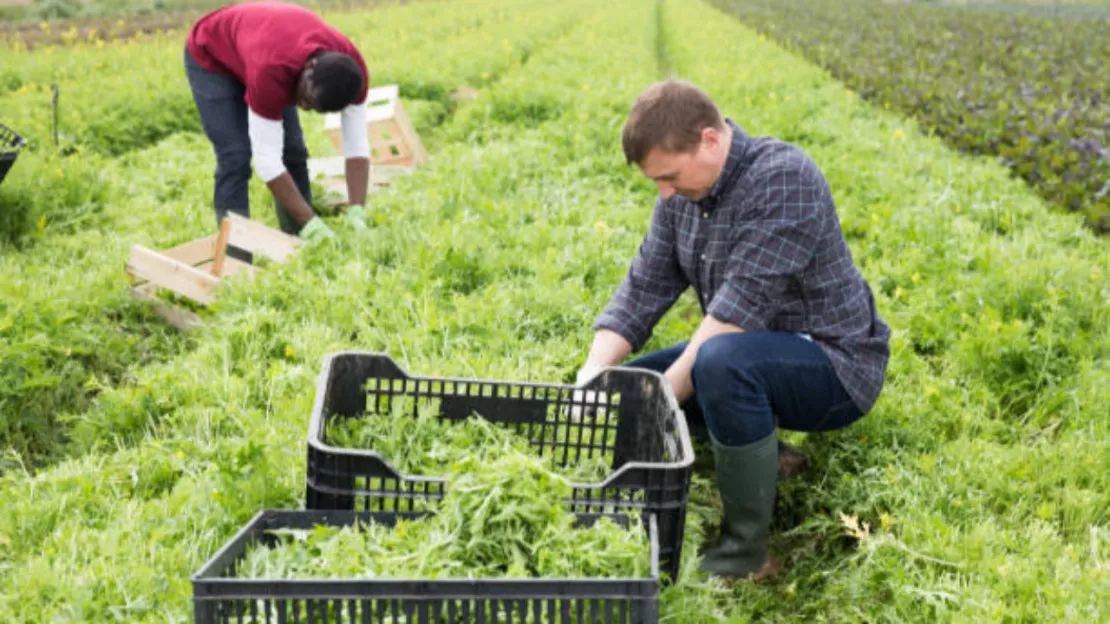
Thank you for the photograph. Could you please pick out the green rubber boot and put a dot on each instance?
(747, 477)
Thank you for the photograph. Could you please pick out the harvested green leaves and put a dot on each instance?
(428, 445)
(502, 518)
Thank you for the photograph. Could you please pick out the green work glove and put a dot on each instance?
(316, 230)
(356, 217)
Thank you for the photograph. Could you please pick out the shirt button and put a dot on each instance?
(703, 256)
(705, 215)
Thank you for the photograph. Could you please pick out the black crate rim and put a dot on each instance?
(207, 586)
(316, 424)
(10, 142)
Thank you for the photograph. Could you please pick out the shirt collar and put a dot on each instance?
(734, 166)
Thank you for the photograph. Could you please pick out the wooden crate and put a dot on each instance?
(331, 174)
(194, 269)
(393, 140)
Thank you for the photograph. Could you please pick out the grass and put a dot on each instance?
(977, 489)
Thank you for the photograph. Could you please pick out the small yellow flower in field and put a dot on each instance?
(762, 37)
(899, 293)
(585, 88)
(601, 227)
(874, 218)
(485, 75)
(898, 133)
(41, 223)
(931, 390)
(885, 520)
(289, 351)
(44, 26)
(915, 278)
(179, 454)
(550, 253)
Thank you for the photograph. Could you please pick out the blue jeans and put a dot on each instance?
(223, 114)
(747, 383)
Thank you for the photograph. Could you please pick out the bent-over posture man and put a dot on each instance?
(250, 66)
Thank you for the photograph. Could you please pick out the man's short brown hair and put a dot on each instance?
(669, 115)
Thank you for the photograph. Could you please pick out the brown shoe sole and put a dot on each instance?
(792, 462)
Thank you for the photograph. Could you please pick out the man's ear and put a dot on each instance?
(711, 138)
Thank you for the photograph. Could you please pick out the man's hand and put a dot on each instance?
(356, 217)
(315, 231)
(678, 375)
(585, 374)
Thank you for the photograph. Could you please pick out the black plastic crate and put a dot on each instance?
(220, 597)
(10, 146)
(636, 422)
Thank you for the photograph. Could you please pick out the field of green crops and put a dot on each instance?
(977, 490)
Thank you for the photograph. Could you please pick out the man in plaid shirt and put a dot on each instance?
(790, 336)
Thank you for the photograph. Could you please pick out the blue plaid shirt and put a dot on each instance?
(764, 250)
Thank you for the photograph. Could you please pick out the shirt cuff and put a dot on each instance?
(267, 142)
(353, 122)
(731, 304)
(625, 328)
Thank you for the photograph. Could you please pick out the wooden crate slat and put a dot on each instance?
(191, 269)
(171, 274)
(257, 238)
(330, 174)
(384, 113)
(193, 252)
(419, 154)
(232, 267)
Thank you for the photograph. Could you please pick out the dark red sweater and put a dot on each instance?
(265, 46)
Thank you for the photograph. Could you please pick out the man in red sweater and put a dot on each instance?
(250, 66)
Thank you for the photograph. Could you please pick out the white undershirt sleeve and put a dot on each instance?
(353, 121)
(267, 143)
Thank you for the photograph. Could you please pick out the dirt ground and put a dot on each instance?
(61, 32)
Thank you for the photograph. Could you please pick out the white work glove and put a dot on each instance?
(592, 398)
(356, 217)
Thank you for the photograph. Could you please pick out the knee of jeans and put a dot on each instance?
(721, 363)
(233, 163)
(718, 354)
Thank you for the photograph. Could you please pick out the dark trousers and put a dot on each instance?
(747, 383)
(223, 114)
